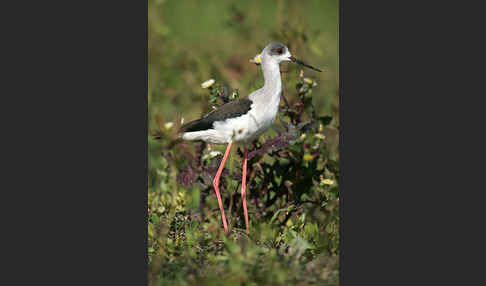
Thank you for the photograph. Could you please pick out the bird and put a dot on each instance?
(242, 120)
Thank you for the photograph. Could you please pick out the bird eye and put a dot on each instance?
(279, 51)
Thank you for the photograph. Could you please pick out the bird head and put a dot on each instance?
(278, 52)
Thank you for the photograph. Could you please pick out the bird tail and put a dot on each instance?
(188, 126)
(196, 125)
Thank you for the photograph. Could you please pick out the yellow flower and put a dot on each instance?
(208, 83)
(308, 157)
(168, 125)
(328, 182)
(257, 59)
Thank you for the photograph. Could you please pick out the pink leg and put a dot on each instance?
(216, 186)
(243, 188)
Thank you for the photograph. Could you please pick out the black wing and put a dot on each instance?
(231, 109)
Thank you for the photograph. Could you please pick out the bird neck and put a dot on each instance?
(272, 79)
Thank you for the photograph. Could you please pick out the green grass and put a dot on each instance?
(294, 218)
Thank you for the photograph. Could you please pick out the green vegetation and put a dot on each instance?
(292, 192)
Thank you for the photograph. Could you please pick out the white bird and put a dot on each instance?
(243, 120)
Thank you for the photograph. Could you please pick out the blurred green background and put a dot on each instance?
(190, 42)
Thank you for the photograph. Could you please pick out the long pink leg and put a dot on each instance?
(216, 186)
(243, 188)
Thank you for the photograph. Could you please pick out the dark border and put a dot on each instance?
(403, 188)
(79, 149)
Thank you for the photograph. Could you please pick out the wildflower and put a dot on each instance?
(211, 155)
(308, 157)
(302, 137)
(234, 95)
(328, 182)
(168, 125)
(319, 135)
(257, 59)
(208, 83)
(308, 80)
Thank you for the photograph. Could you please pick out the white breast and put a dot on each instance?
(247, 127)
(263, 112)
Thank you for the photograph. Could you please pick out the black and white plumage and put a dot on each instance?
(231, 110)
(244, 119)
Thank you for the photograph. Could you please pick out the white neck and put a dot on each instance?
(273, 81)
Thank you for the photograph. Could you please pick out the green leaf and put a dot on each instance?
(330, 227)
(311, 230)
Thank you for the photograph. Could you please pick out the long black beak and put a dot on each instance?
(304, 64)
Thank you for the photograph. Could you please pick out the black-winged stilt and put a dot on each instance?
(243, 120)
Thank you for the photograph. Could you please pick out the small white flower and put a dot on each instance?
(213, 154)
(302, 137)
(208, 83)
(257, 59)
(182, 120)
(168, 125)
(233, 95)
(319, 135)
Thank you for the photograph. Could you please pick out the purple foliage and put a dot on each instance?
(188, 177)
(271, 144)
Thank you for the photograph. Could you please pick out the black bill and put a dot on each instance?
(304, 64)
